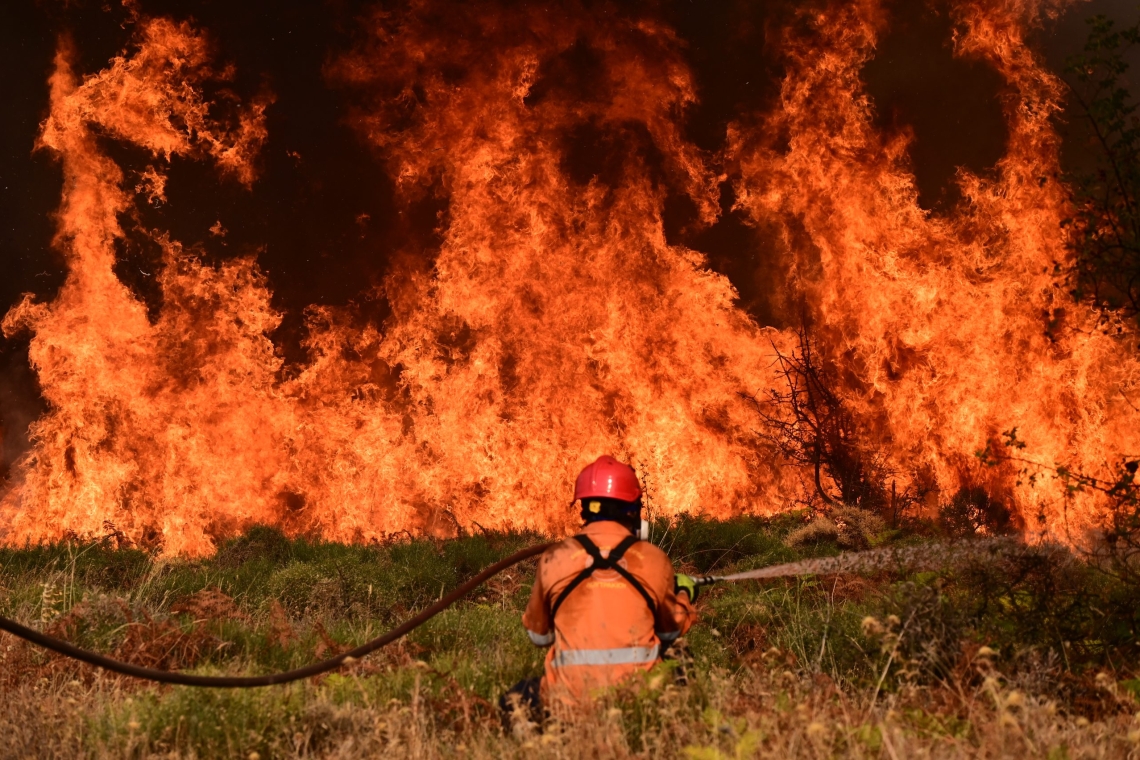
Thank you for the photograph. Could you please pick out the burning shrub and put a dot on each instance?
(811, 425)
(1116, 549)
(972, 511)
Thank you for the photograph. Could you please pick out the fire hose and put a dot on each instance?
(866, 561)
(246, 682)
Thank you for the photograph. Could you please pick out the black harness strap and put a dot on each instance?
(604, 563)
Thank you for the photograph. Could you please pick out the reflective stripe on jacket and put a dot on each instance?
(604, 630)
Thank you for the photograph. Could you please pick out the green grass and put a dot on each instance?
(265, 602)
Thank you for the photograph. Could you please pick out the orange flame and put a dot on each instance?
(951, 328)
(557, 322)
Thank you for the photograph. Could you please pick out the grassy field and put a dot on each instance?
(1031, 654)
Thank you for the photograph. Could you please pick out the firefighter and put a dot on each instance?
(606, 601)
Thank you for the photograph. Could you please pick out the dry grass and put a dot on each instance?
(765, 713)
(884, 667)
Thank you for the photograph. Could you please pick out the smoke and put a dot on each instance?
(20, 405)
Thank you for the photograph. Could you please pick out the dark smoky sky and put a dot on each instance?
(323, 219)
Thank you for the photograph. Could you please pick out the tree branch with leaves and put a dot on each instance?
(1105, 227)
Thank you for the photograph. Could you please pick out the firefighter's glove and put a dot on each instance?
(687, 584)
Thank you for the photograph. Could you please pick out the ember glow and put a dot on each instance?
(557, 322)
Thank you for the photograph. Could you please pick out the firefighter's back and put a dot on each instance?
(605, 624)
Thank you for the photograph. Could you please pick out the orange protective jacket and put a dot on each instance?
(604, 629)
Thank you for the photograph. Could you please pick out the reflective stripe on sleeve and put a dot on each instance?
(622, 656)
(540, 639)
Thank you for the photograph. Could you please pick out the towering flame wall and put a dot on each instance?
(557, 322)
(949, 329)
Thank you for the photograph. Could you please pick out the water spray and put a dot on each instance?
(873, 560)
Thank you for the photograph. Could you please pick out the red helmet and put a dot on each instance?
(608, 478)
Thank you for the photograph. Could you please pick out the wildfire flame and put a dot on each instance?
(949, 328)
(557, 322)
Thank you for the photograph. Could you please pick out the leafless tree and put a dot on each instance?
(809, 423)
